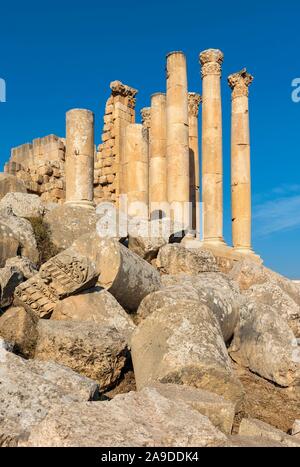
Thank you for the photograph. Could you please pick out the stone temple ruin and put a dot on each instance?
(156, 163)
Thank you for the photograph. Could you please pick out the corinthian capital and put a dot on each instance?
(194, 102)
(211, 61)
(120, 89)
(146, 117)
(239, 83)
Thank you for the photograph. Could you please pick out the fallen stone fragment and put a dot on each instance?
(254, 427)
(296, 429)
(96, 305)
(96, 351)
(10, 183)
(24, 265)
(219, 410)
(23, 204)
(264, 343)
(182, 343)
(18, 326)
(175, 259)
(239, 441)
(10, 278)
(130, 420)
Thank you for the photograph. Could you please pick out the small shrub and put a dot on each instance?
(46, 248)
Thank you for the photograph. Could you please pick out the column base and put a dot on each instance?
(245, 252)
(81, 204)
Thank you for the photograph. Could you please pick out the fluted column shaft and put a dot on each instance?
(240, 161)
(177, 136)
(212, 164)
(80, 157)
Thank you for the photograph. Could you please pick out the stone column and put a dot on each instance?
(178, 183)
(240, 162)
(158, 163)
(212, 166)
(194, 102)
(80, 157)
(136, 170)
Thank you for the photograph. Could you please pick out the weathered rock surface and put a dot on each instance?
(20, 232)
(18, 327)
(27, 393)
(271, 294)
(239, 441)
(264, 343)
(254, 427)
(182, 343)
(77, 221)
(10, 183)
(216, 291)
(135, 419)
(296, 429)
(96, 351)
(95, 305)
(24, 265)
(125, 275)
(23, 204)
(10, 278)
(175, 259)
(219, 410)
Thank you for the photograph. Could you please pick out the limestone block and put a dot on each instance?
(175, 259)
(29, 389)
(125, 275)
(96, 305)
(219, 411)
(264, 343)
(254, 427)
(296, 429)
(98, 352)
(18, 327)
(240, 441)
(10, 183)
(23, 204)
(182, 343)
(10, 278)
(118, 423)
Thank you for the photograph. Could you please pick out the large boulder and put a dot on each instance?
(23, 205)
(182, 343)
(219, 410)
(10, 278)
(175, 258)
(273, 295)
(10, 183)
(264, 343)
(254, 427)
(135, 419)
(97, 351)
(23, 265)
(96, 305)
(28, 390)
(20, 232)
(75, 222)
(247, 273)
(216, 291)
(18, 327)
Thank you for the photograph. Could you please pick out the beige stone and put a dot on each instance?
(212, 165)
(18, 327)
(240, 162)
(80, 157)
(254, 427)
(178, 184)
(157, 157)
(194, 102)
(10, 183)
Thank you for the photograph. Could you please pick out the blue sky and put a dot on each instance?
(62, 54)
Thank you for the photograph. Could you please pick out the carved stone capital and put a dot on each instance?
(194, 102)
(211, 61)
(120, 89)
(239, 83)
(146, 117)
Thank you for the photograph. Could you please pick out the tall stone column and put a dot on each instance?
(80, 157)
(178, 183)
(158, 163)
(194, 102)
(136, 170)
(240, 162)
(212, 165)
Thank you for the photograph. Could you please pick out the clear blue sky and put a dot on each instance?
(62, 54)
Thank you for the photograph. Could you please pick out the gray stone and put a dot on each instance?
(10, 278)
(23, 204)
(24, 265)
(130, 420)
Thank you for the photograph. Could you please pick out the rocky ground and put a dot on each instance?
(139, 341)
